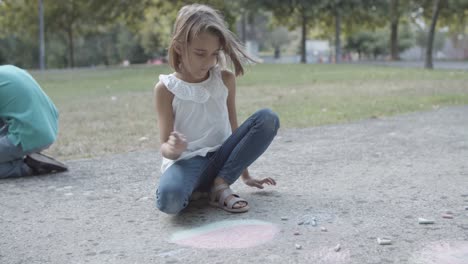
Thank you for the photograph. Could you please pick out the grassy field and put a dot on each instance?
(111, 110)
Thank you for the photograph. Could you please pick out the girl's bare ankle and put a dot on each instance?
(218, 181)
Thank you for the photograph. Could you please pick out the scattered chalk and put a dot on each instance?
(337, 248)
(447, 216)
(384, 241)
(424, 221)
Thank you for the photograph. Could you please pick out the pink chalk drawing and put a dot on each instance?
(442, 252)
(227, 234)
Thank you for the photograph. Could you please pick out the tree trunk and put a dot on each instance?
(304, 37)
(395, 17)
(243, 27)
(41, 37)
(430, 38)
(337, 35)
(71, 56)
(277, 52)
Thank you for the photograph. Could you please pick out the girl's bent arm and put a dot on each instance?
(163, 103)
(229, 80)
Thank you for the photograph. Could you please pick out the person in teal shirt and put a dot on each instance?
(28, 125)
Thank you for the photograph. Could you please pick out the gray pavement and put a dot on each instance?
(362, 180)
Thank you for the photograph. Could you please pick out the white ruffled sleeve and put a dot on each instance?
(183, 91)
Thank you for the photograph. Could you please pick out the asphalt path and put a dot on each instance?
(345, 185)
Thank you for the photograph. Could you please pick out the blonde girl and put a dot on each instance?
(202, 146)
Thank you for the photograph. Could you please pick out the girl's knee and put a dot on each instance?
(269, 120)
(171, 200)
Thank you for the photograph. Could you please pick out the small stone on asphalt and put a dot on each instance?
(298, 246)
(323, 229)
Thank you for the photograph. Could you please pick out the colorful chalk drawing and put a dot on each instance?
(443, 253)
(227, 234)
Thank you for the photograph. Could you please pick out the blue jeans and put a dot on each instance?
(11, 156)
(240, 150)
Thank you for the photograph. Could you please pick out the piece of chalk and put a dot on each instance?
(424, 221)
(337, 248)
(384, 241)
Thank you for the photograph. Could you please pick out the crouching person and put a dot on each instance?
(28, 125)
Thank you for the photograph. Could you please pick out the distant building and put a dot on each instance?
(318, 51)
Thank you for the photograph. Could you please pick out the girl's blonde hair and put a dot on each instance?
(195, 19)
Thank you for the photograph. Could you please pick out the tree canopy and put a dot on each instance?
(89, 32)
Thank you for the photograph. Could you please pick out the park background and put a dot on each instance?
(99, 60)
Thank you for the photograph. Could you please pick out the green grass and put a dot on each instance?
(111, 110)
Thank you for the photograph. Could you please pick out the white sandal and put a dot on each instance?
(219, 195)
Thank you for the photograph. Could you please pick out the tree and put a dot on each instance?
(343, 18)
(73, 18)
(156, 29)
(361, 43)
(18, 32)
(296, 13)
(339, 10)
(395, 11)
(375, 43)
(395, 14)
(65, 21)
(454, 17)
(437, 5)
(277, 39)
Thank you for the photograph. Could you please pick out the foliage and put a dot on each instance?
(421, 40)
(106, 32)
(375, 43)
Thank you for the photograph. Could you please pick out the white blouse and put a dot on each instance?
(200, 113)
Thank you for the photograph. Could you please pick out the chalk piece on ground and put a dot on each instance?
(424, 221)
(384, 241)
(447, 216)
(337, 248)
